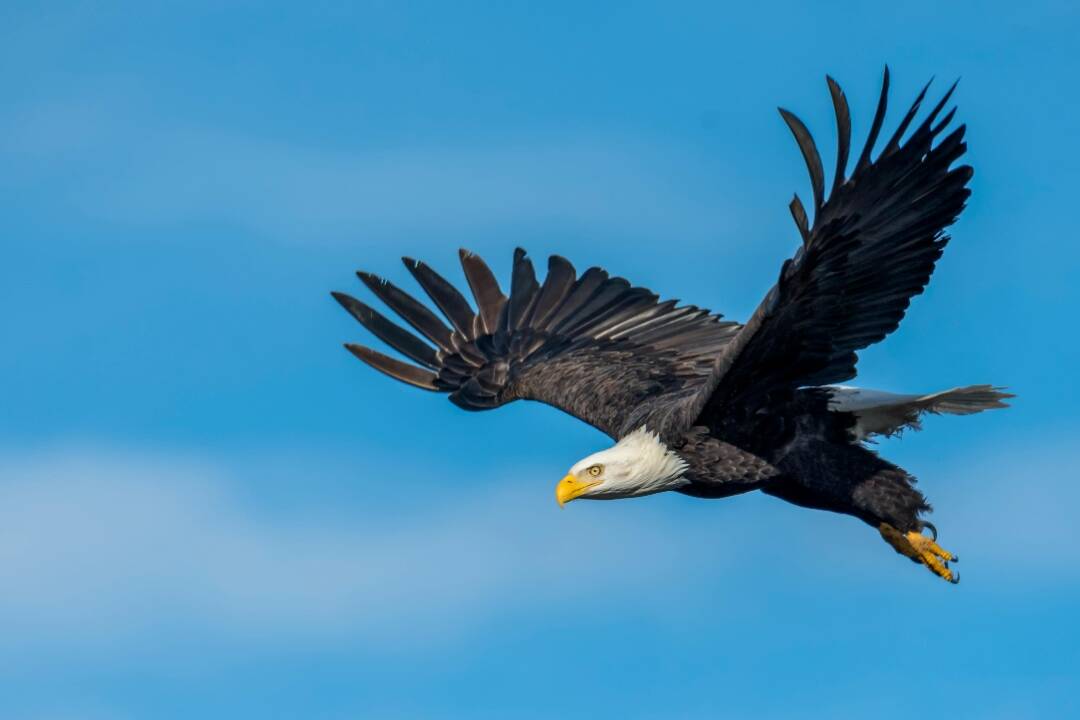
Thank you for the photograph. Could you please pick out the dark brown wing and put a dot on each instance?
(872, 247)
(593, 346)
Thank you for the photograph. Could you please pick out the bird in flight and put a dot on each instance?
(708, 407)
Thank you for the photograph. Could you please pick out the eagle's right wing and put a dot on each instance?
(593, 346)
(872, 247)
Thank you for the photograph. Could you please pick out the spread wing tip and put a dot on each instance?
(485, 288)
(810, 155)
(406, 373)
(843, 130)
(446, 297)
(392, 334)
(409, 309)
(798, 213)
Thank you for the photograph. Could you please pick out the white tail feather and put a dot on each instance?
(885, 413)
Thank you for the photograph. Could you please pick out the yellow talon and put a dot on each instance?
(921, 549)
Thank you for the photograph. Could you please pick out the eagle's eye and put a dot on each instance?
(595, 470)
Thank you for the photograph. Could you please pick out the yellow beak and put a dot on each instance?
(570, 487)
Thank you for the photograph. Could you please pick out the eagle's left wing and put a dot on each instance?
(608, 353)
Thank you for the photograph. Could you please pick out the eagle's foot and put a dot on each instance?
(922, 549)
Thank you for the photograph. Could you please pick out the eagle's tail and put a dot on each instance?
(884, 413)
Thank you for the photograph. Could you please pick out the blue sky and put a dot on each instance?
(209, 509)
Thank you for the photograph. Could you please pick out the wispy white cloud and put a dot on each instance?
(100, 547)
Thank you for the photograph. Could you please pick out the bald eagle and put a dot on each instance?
(708, 407)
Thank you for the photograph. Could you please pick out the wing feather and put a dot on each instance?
(594, 346)
(558, 283)
(843, 131)
(446, 297)
(875, 127)
(393, 335)
(810, 155)
(523, 290)
(422, 319)
(872, 247)
(485, 289)
(395, 368)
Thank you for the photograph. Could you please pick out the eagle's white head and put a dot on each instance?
(639, 464)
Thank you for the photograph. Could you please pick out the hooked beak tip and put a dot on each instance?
(570, 488)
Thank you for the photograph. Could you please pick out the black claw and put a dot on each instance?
(933, 530)
(955, 579)
(956, 558)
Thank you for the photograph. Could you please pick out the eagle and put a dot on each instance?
(707, 407)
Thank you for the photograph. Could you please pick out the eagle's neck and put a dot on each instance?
(656, 467)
